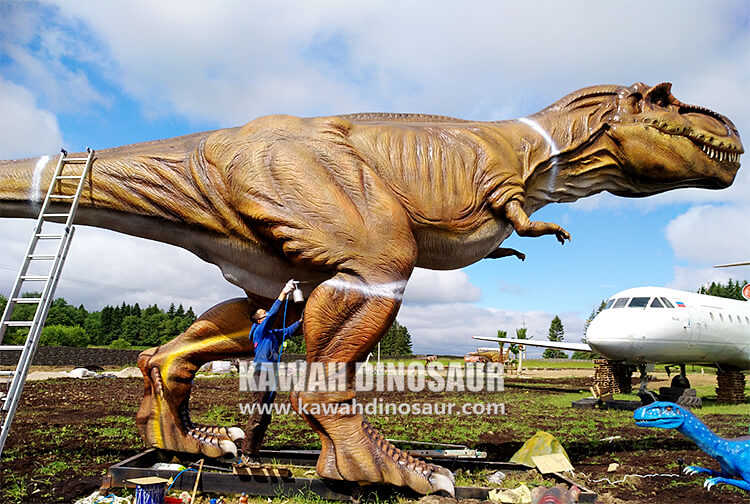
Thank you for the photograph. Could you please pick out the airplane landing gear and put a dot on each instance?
(647, 397)
(681, 380)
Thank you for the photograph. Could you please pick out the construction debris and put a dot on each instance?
(519, 495)
(541, 443)
(496, 477)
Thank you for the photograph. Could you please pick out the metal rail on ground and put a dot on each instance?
(218, 477)
(49, 280)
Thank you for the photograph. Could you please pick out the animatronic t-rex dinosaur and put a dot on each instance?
(351, 204)
(733, 455)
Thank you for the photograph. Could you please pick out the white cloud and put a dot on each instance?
(711, 234)
(689, 278)
(26, 129)
(44, 54)
(430, 287)
(239, 59)
(448, 328)
(105, 268)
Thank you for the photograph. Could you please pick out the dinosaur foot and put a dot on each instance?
(353, 450)
(162, 425)
(692, 470)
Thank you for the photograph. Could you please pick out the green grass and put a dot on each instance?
(53, 468)
(557, 364)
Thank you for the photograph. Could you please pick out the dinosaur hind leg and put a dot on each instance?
(168, 370)
(344, 319)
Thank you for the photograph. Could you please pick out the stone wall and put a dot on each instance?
(612, 377)
(75, 356)
(731, 389)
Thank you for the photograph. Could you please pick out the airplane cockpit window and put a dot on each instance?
(656, 303)
(747, 320)
(712, 315)
(621, 302)
(609, 304)
(639, 302)
(721, 316)
(666, 302)
(730, 318)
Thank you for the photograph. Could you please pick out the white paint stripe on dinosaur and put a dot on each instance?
(35, 192)
(536, 127)
(554, 151)
(392, 290)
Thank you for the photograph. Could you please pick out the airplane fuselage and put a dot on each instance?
(659, 325)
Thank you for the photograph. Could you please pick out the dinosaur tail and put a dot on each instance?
(21, 185)
(166, 180)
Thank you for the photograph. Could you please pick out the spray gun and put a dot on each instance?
(297, 295)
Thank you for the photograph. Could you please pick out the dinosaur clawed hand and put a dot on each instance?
(562, 235)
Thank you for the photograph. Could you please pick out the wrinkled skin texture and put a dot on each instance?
(351, 204)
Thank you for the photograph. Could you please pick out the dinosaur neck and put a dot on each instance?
(560, 166)
(700, 434)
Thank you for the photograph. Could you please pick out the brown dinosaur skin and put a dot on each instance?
(352, 204)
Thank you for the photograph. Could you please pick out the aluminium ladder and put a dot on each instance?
(63, 239)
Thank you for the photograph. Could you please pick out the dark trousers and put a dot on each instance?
(258, 420)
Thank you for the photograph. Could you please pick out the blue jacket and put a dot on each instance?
(266, 340)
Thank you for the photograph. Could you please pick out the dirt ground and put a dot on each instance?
(68, 432)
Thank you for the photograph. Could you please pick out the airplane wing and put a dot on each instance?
(561, 345)
(732, 264)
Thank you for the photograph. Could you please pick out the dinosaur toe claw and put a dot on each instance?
(440, 481)
(228, 448)
(235, 433)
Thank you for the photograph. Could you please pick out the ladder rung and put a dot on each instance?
(11, 348)
(61, 196)
(55, 215)
(42, 257)
(76, 160)
(34, 278)
(60, 177)
(7, 373)
(43, 236)
(18, 323)
(28, 300)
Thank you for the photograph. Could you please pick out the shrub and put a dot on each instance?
(119, 344)
(59, 335)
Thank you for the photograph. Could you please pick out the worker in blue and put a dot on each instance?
(267, 343)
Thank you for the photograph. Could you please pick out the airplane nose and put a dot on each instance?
(607, 338)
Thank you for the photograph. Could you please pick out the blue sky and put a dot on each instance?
(126, 72)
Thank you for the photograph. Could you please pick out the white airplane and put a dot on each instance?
(665, 326)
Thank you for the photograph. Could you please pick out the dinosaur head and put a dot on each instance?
(666, 144)
(664, 415)
(632, 141)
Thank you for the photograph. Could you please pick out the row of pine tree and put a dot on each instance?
(116, 326)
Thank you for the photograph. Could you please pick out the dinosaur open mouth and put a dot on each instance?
(729, 157)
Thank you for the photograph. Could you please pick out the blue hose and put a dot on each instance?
(283, 339)
(178, 475)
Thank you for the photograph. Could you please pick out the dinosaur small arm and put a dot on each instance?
(350, 205)
(733, 455)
